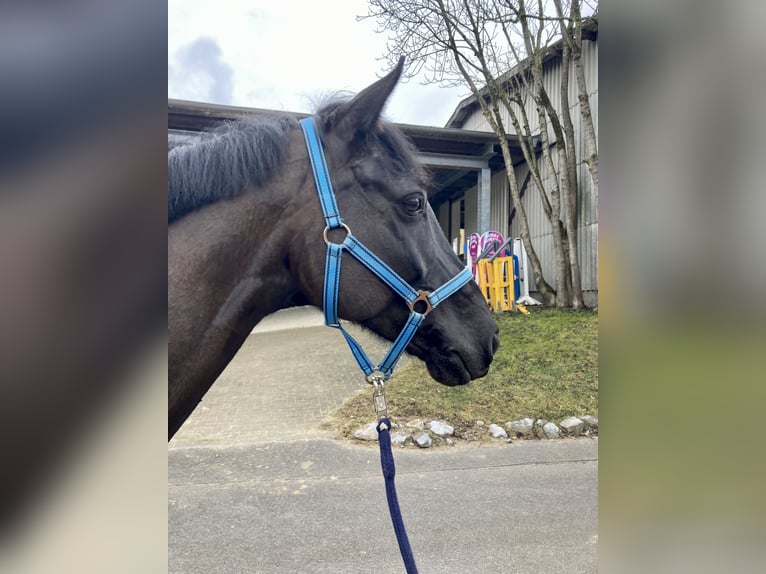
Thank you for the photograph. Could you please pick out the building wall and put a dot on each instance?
(454, 231)
(552, 80)
(471, 208)
(587, 202)
(500, 201)
(442, 215)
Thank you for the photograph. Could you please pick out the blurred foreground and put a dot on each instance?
(683, 277)
(82, 287)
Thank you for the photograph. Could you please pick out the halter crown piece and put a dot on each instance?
(381, 372)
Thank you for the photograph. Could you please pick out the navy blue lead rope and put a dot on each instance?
(389, 471)
(375, 375)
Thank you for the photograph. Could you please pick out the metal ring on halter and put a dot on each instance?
(422, 296)
(376, 377)
(326, 229)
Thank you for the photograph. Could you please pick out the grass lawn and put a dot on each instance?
(546, 367)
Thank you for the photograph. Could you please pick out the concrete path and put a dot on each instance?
(287, 377)
(254, 488)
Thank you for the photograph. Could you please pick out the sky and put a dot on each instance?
(286, 55)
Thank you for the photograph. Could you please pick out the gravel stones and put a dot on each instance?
(439, 432)
(440, 428)
(497, 431)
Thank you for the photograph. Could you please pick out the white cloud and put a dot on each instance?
(286, 55)
(199, 73)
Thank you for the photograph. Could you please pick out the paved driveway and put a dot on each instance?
(253, 487)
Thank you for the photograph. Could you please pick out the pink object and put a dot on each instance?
(473, 246)
(487, 238)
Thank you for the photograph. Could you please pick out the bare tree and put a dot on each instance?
(497, 49)
(572, 35)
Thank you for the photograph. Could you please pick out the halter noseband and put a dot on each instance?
(351, 244)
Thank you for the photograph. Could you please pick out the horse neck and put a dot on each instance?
(227, 269)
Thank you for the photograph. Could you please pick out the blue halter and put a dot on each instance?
(352, 245)
(375, 375)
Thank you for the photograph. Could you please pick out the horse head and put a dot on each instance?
(382, 194)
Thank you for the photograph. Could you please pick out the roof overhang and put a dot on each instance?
(453, 156)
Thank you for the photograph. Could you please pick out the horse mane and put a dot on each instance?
(222, 161)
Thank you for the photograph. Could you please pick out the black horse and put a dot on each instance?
(245, 240)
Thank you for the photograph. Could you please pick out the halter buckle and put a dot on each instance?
(327, 230)
(378, 394)
(422, 296)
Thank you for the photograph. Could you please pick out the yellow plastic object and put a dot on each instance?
(496, 284)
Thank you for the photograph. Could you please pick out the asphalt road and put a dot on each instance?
(245, 496)
(319, 506)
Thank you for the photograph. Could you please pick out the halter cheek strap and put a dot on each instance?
(376, 265)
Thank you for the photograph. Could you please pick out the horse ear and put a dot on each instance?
(359, 115)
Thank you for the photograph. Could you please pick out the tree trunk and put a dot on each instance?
(591, 143)
(545, 110)
(570, 185)
(548, 295)
(563, 294)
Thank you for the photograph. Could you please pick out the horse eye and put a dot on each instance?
(414, 204)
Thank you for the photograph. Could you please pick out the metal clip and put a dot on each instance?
(378, 396)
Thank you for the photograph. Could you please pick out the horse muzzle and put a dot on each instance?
(454, 363)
